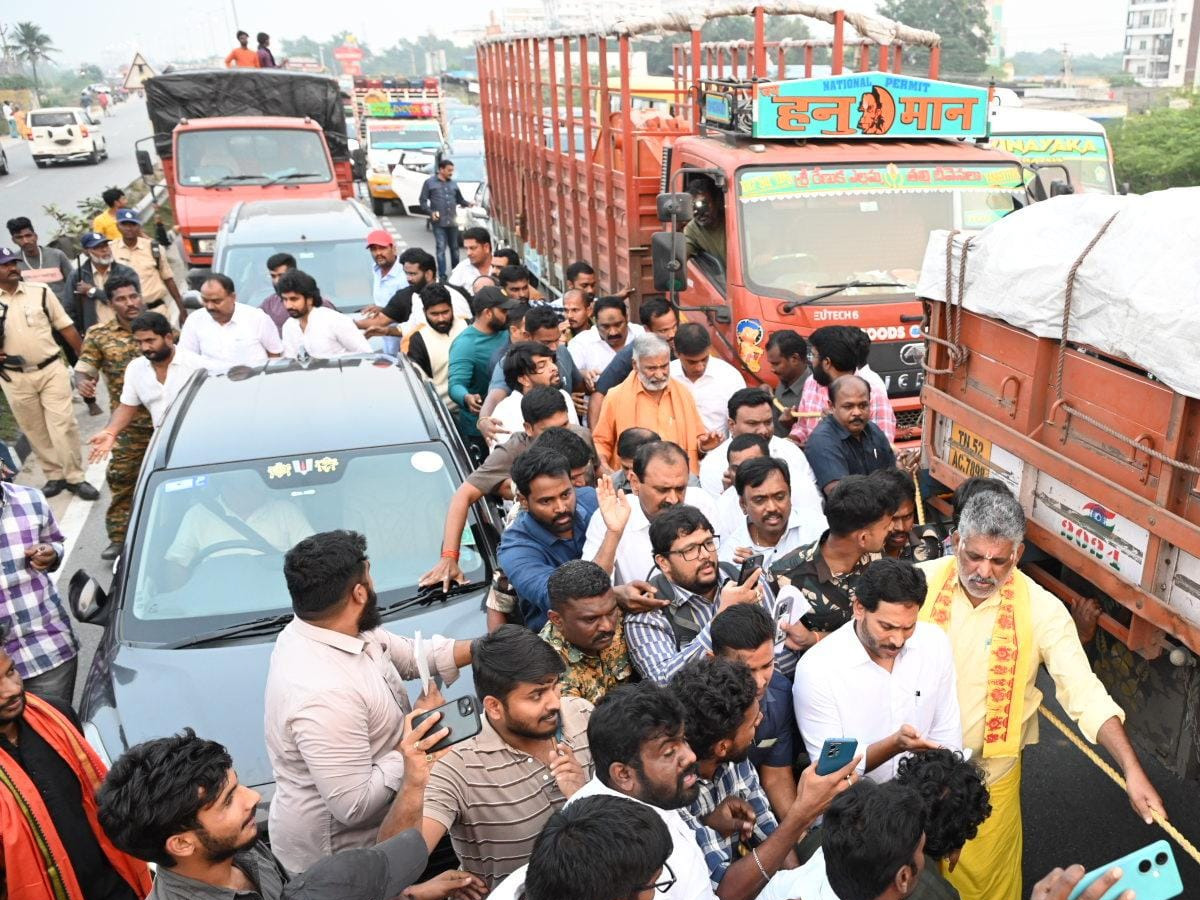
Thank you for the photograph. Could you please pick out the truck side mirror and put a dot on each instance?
(144, 163)
(88, 600)
(674, 206)
(1124, 188)
(1061, 188)
(668, 254)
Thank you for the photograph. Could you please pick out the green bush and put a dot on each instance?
(1158, 150)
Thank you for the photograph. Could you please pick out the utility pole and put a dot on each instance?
(1066, 65)
(236, 24)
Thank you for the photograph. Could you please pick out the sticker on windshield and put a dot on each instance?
(427, 461)
(179, 484)
(750, 337)
(279, 470)
(287, 468)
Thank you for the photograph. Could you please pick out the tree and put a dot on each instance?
(33, 46)
(1159, 149)
(963, 25)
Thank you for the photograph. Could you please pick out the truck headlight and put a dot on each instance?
(204, 245)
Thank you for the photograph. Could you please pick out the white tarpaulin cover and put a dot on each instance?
(1137, 295)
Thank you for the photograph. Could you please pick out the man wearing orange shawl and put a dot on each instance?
(650, 398)
(51, 843)
(1003, 626)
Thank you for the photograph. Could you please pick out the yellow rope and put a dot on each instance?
(1112, 773)
(920, 502)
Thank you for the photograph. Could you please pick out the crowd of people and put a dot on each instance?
(704, 589)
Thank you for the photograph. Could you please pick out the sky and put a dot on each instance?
(163, 31)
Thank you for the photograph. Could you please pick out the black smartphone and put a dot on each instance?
(748, 567)
(461, 716)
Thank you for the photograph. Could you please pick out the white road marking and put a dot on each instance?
(72, 521)
(15, 181)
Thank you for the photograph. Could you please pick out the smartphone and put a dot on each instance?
(836, 753)
(461, 716)
(748, 567)
(1150, 873)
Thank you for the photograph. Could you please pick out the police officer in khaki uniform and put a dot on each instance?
(108, 349)
(146, 257)
(35, 380)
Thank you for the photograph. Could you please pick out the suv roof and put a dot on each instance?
(264, 221)
(366, 401)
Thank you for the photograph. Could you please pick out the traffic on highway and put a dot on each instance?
(763, 473)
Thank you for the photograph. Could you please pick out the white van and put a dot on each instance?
(1054, 138)
(65, 134)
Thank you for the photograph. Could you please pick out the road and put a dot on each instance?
(27, 189)
(1073, 813)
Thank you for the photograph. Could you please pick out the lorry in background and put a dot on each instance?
(400, 122)
(829, 185)
(1054, 141)
(232, 135)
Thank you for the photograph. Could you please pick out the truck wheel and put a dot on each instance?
(378, 206)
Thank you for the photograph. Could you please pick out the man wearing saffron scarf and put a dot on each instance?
(51, 844)
(1002, 627)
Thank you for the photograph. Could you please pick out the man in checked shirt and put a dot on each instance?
(38, 631)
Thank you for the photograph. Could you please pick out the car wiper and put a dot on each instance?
(230, 179)
(835, 289)
(431, 594)
(279, 178)
(263, 625)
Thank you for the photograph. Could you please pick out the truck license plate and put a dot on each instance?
(969, 453)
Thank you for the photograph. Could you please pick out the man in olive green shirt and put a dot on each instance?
(706, 232)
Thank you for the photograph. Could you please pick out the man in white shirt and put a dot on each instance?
(313, 328)
(770, 523)
(477, 244)
(883, 652)
(640, 753)
(659, 480)
(595, 348)
(336, 703)
(750, 413)
(711, 380)
(152, 380)
(742, 447)
(527, 365)
(227, 332)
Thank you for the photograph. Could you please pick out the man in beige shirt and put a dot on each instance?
(35, 380)
(494, 792)
(148, 258)
(336, 702)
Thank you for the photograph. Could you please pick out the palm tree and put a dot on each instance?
(33, 45)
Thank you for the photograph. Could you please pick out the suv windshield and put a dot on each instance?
(469, 169)
(819, 225)
(404, 134)
(1084, 155)
(336, 265)
(466, 130)
(249, 156)
(212, 547)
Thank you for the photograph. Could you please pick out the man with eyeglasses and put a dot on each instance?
(696, 587)
(1003, 627)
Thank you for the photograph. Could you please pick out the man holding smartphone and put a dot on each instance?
(336, 702)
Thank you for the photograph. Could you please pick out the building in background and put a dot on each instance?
(1161, 42)
(999, 36)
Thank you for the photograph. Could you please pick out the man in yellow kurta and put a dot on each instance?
(1003, 626)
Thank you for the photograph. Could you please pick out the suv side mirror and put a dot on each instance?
(668, 255)
(144, 163)
(674, 206)
(88, 600)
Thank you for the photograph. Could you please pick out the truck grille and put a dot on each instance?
(908, 419)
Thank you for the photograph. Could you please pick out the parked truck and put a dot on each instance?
(232, 135)
(401, 122)
(828, 183)
(1094, 424)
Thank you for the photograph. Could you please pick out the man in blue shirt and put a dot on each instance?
(549, 531)
(441, 198)
(847, 442)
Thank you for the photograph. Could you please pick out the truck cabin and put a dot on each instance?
(1056, 145)
(220, 152)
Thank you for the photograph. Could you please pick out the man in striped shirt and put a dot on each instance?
(495, 791)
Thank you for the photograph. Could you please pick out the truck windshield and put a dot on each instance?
(213, 541)
(404, 134)
(336, 265)
(825, 225)
(1084, 155)
(247, 156)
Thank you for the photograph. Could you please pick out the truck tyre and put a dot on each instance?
(378, 206)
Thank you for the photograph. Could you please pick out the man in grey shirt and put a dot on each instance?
(176, 801)
(43, 264)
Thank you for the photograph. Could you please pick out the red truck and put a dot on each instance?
(831, 182)
(233, 135)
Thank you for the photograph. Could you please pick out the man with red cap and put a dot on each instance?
(387, 276)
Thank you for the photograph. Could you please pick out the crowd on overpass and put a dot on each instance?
(722, 657)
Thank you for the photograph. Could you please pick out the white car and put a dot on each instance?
(407, 181)
(65, 134)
